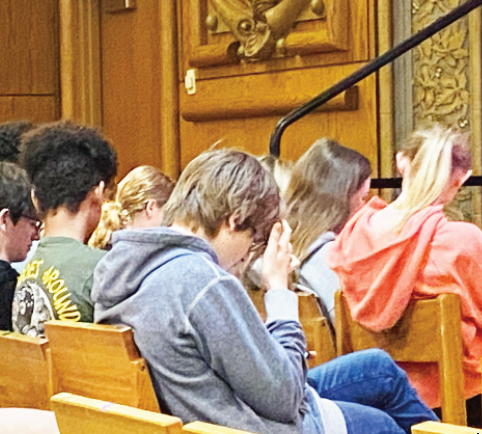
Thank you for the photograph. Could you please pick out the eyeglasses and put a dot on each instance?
(258, 246)
(33, 221)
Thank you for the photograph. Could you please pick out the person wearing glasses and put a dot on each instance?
(209, 355)
(18, 228)
(69, 166)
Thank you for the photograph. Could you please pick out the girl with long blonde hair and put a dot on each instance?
(138, 204)
(388, 255)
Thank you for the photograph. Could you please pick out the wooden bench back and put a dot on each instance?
(78, 415)
(442, 428)
(319, 341)
(429, 331)
(24, 372)
(101, 362)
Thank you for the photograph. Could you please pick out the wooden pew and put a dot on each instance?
(257, 297)
(442, 428)
(101, 362)
(429, 331)
(319, 341)
(24, 372)
(79, 415)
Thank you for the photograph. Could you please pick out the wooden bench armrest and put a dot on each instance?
(442, 428)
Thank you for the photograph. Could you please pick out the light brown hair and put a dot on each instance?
(318, 196)
(221, 183)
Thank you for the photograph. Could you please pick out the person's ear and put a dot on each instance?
(467, 176)
(99, 191)
(4, 216)
(150, 207)
(461, 179)
(233, 222)
(34, 200)
(403, 163)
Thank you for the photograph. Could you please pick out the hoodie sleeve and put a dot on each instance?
(264, 366)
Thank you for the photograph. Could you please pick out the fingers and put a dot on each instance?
(274, 238)
(284, 241)
(294, 263)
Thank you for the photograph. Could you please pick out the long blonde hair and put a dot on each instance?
(318, 196)
(433, 154)
(138, 186)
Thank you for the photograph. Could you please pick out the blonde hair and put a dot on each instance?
(221, 183)
(434, 153)
(318, 196)
(138, 186)
(279, 169)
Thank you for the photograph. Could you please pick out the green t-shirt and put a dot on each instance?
(55, 284)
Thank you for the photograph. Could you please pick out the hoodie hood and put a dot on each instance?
(378, 272)
(137, 253)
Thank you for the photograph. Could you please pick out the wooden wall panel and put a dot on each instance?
(357, 17)
(131, 94)
(29, 60)
(33, 108)
(356, 128)
(28, 47)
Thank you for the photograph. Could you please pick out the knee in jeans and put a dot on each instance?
(382, 359)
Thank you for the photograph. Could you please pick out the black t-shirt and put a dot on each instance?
(8, 281)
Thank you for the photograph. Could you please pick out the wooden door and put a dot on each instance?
(252, 67)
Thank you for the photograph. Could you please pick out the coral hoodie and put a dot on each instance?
(381, 272)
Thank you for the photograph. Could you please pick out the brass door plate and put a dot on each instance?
(112, 6)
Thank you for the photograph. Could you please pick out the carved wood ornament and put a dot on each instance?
(441, 67)
(259, 24)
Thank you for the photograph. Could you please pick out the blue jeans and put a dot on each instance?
(372, 392)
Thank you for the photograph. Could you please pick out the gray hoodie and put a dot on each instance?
(210, 356)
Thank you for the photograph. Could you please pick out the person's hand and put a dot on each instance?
(277, 259)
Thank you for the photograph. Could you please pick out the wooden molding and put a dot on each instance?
(275, 104)
(475, 25)
(385, 95)
(80, 77)
(170, 140)
(331, 35)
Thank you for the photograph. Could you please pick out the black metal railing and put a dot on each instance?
(375, 65)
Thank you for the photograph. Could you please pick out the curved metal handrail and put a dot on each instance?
(375, 65)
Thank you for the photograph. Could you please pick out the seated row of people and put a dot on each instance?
(192, 320)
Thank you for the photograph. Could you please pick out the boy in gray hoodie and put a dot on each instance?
(210, 356)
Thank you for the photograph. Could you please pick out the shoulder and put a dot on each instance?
(459, 236)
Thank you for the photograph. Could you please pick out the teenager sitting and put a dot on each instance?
(388, 255)
(328, 184)
(18, 228)
(210, 356)
(69, 167)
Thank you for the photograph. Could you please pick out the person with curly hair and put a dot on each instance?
(70, 167)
